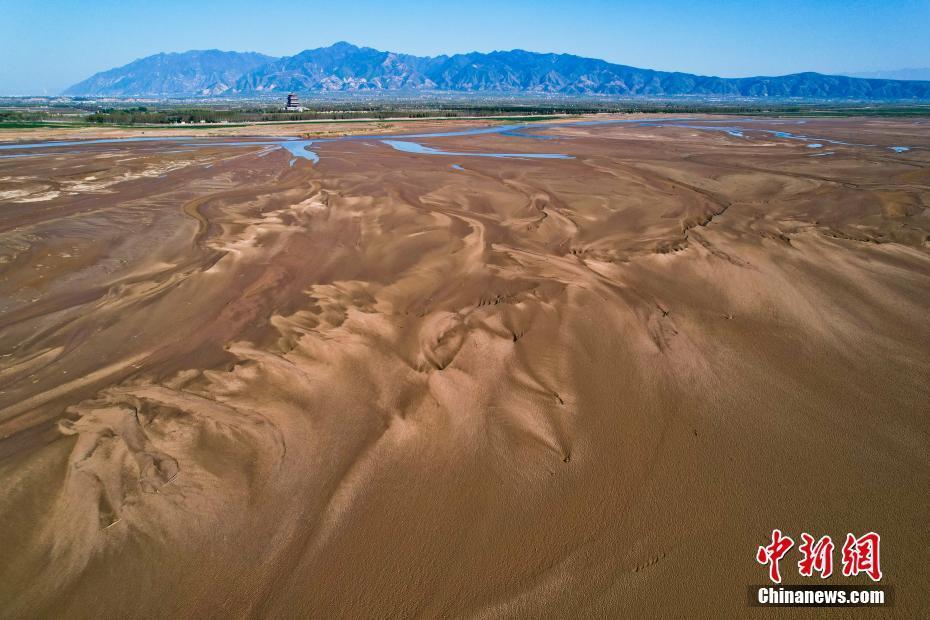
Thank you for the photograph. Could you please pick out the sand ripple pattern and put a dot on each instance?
(379, 386)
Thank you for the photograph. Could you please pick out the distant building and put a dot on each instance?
(293, 104)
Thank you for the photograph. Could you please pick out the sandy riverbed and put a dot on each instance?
(384, 386)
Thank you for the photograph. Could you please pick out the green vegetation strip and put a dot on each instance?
(231, 114)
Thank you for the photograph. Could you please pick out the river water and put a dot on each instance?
(410, 143)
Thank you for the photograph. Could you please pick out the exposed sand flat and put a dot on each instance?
(311, 128)
(381, 386)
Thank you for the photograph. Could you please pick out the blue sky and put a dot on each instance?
(47, 45)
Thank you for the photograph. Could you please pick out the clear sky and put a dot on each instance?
(47, 45)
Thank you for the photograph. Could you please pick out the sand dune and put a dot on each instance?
(381, 386)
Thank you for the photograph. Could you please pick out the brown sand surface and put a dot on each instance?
(379, 386)
(306, 128)
(314, 129)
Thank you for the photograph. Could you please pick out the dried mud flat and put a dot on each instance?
(381, 386)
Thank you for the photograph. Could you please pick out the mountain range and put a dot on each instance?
(344, 67)
(202, 73)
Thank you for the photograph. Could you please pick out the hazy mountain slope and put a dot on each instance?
(896, 74)
(207, 72)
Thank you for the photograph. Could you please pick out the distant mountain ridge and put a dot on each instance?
(343, 67)
(197, 72)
